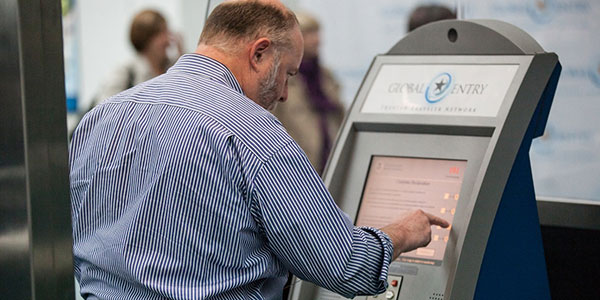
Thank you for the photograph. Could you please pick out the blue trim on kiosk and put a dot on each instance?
(521, 266)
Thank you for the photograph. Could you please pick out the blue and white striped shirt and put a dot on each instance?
(183, 188)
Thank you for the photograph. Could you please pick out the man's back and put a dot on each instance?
(148, 169)
(182, 188)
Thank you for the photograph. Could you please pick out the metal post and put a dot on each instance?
(35, 224)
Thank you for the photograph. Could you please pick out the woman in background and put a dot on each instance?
(150, 36)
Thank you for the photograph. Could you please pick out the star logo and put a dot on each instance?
(440, 85)
(438, 88)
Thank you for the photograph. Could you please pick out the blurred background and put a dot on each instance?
(566, 161)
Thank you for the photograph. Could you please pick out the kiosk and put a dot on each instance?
(443, 122)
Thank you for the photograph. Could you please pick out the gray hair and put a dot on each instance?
(232, 22)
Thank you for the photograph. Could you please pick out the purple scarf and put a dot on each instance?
(310, 72)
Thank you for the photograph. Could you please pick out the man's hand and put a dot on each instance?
(413, 231)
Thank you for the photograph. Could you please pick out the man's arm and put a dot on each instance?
(413, 231)
(315, 240)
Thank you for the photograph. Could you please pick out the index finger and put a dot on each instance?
(435, 220)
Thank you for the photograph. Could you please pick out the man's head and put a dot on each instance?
(260, 42)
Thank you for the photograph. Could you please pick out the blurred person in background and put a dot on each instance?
(313, 115)
(429, 13)
(150, 36)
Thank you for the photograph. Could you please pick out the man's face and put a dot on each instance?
(269, 91)
(284, 64)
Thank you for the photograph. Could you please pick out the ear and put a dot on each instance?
(258, 51)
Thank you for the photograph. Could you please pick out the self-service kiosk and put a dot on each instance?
(443, 122)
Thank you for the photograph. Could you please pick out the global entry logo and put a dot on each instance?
(439, 88)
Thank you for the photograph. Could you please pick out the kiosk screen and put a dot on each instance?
(397, 185)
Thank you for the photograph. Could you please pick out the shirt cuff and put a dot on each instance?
(388, 252)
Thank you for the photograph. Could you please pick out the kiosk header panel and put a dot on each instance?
(440, 89)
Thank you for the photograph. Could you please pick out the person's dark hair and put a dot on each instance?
(145, 25)
(427, 14)
(231, 22)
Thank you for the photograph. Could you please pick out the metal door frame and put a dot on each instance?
(36, 260)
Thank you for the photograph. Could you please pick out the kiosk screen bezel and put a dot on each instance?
(412, 256)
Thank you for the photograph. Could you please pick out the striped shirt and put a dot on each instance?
(183, 188)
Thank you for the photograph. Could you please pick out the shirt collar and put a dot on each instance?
(206, 67)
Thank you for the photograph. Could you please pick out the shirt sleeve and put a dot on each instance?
(311, 235)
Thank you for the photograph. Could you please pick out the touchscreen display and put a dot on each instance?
(398, 185)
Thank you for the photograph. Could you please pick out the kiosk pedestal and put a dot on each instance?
(443, 122)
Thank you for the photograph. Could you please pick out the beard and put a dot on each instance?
(268, 93)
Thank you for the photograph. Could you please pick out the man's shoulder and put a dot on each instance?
(227, 109)
(251, 124)
(259, 130)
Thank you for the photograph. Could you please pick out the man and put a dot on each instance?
(186, 187)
